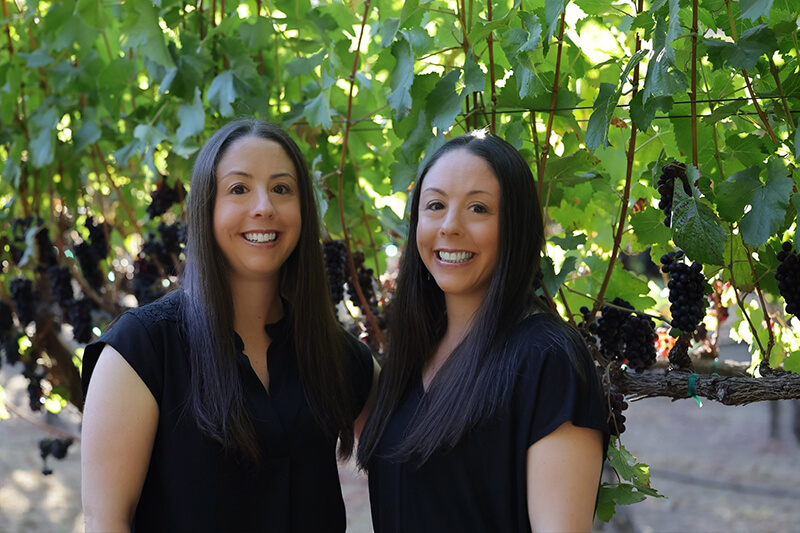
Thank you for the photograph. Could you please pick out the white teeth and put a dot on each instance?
(455, 257)
(261, 237)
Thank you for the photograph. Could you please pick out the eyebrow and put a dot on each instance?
(244, 174)
(470, 193)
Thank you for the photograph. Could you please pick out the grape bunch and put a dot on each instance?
(616, 420)
(166, 249)
(163, 197)
(60, 284)
(364, 277)
(686, 291)
(639, 334)
(19, 230)
(8, 341)
(334, 254)
(80, 316)
(145, 276)
(34, 374)
(47, 252)
(24, 299)
(666, 187)
(55, 447)
(788, 276)
(93, 250)
(624, 336)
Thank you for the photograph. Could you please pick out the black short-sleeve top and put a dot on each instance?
(191, 484)
(480, 485)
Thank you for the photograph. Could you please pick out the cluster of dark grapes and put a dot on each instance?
(666, 187)
(616, 420)
(623, 335)
(24, 299)
(55, 447)
(164, 197)
(9, 341)
(61, 285)
(788, 276)
(686, 291)
(639, 333)
(80, 316)
(364, 277)
(334, 254)
(47, 252)
(34, 374)
(166, 250)
(91, 251)
(145, 275)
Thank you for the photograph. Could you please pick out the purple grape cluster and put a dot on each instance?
(334, 254)
(53, 447)
(164, 197)
(686, 291)
(788, 276)
(616, 420)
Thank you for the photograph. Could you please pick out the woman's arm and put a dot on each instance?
(358, 425)
(119, 425)
(563, 475)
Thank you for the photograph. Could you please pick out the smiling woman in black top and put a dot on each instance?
(218, 408)
(489, 415)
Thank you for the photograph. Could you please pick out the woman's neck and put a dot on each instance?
(255, 304)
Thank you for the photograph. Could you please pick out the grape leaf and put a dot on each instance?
(643, 114)
(142, 29)
(599, 121)
(444, 103)
(694, 225)
(222, 93)
(724, 111)
(318, 110)
(302, 66)
(388, 30)
(474, 78)
(753, 43)
(481, 29)
(552, 15)
(648, 225)
(402, 77)
(768, 205)
(192, 117)
(752, 9)
(662, 76)
(734, 193)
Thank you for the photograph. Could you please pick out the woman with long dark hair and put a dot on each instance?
(489, 415)
(219, 407)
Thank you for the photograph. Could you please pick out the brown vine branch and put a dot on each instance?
(740, 303)
(723, 389)
(553, 100)
(41, 425)
(775, 74)
(340, 198)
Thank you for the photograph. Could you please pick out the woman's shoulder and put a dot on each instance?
(543, 330)
(165, 309)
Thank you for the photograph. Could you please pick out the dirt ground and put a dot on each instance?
(719, 466)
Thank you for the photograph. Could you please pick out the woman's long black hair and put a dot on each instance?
(478, 376)
(216, 399)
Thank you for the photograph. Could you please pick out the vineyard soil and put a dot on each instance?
(719, 466)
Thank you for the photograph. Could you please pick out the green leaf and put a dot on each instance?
(318, 110)
(643, 114)
(599, 121)
(141, 29)
(795, 201)
(42, 146)
(481, 29)
(694, 226)
(648, 225)
(88, 133)
(768, 205)
(37, 58)
(735, 193)
(749, 149)
(474, 78)
(302, 66)
(402, 77)
(192, 118)
(222, 93)
(92, 13)
(724, 111)
(753, 43)
(552, 15)
(662, 76)
(388, 29)
(553, 281)
(444, 103)
(752, 9)
(797, 145)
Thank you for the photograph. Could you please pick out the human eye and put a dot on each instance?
(282, 188)
(238, 189)
(434, 205)
(479, 208)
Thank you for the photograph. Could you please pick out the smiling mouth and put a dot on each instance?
(261, 237)
(454, 257)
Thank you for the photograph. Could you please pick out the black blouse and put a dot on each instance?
(480, 485)
(191, 485)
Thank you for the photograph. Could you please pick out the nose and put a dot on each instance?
(451, 223)
(262, 205)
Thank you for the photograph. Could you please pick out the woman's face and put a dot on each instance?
(257, 216)
(458, 230)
